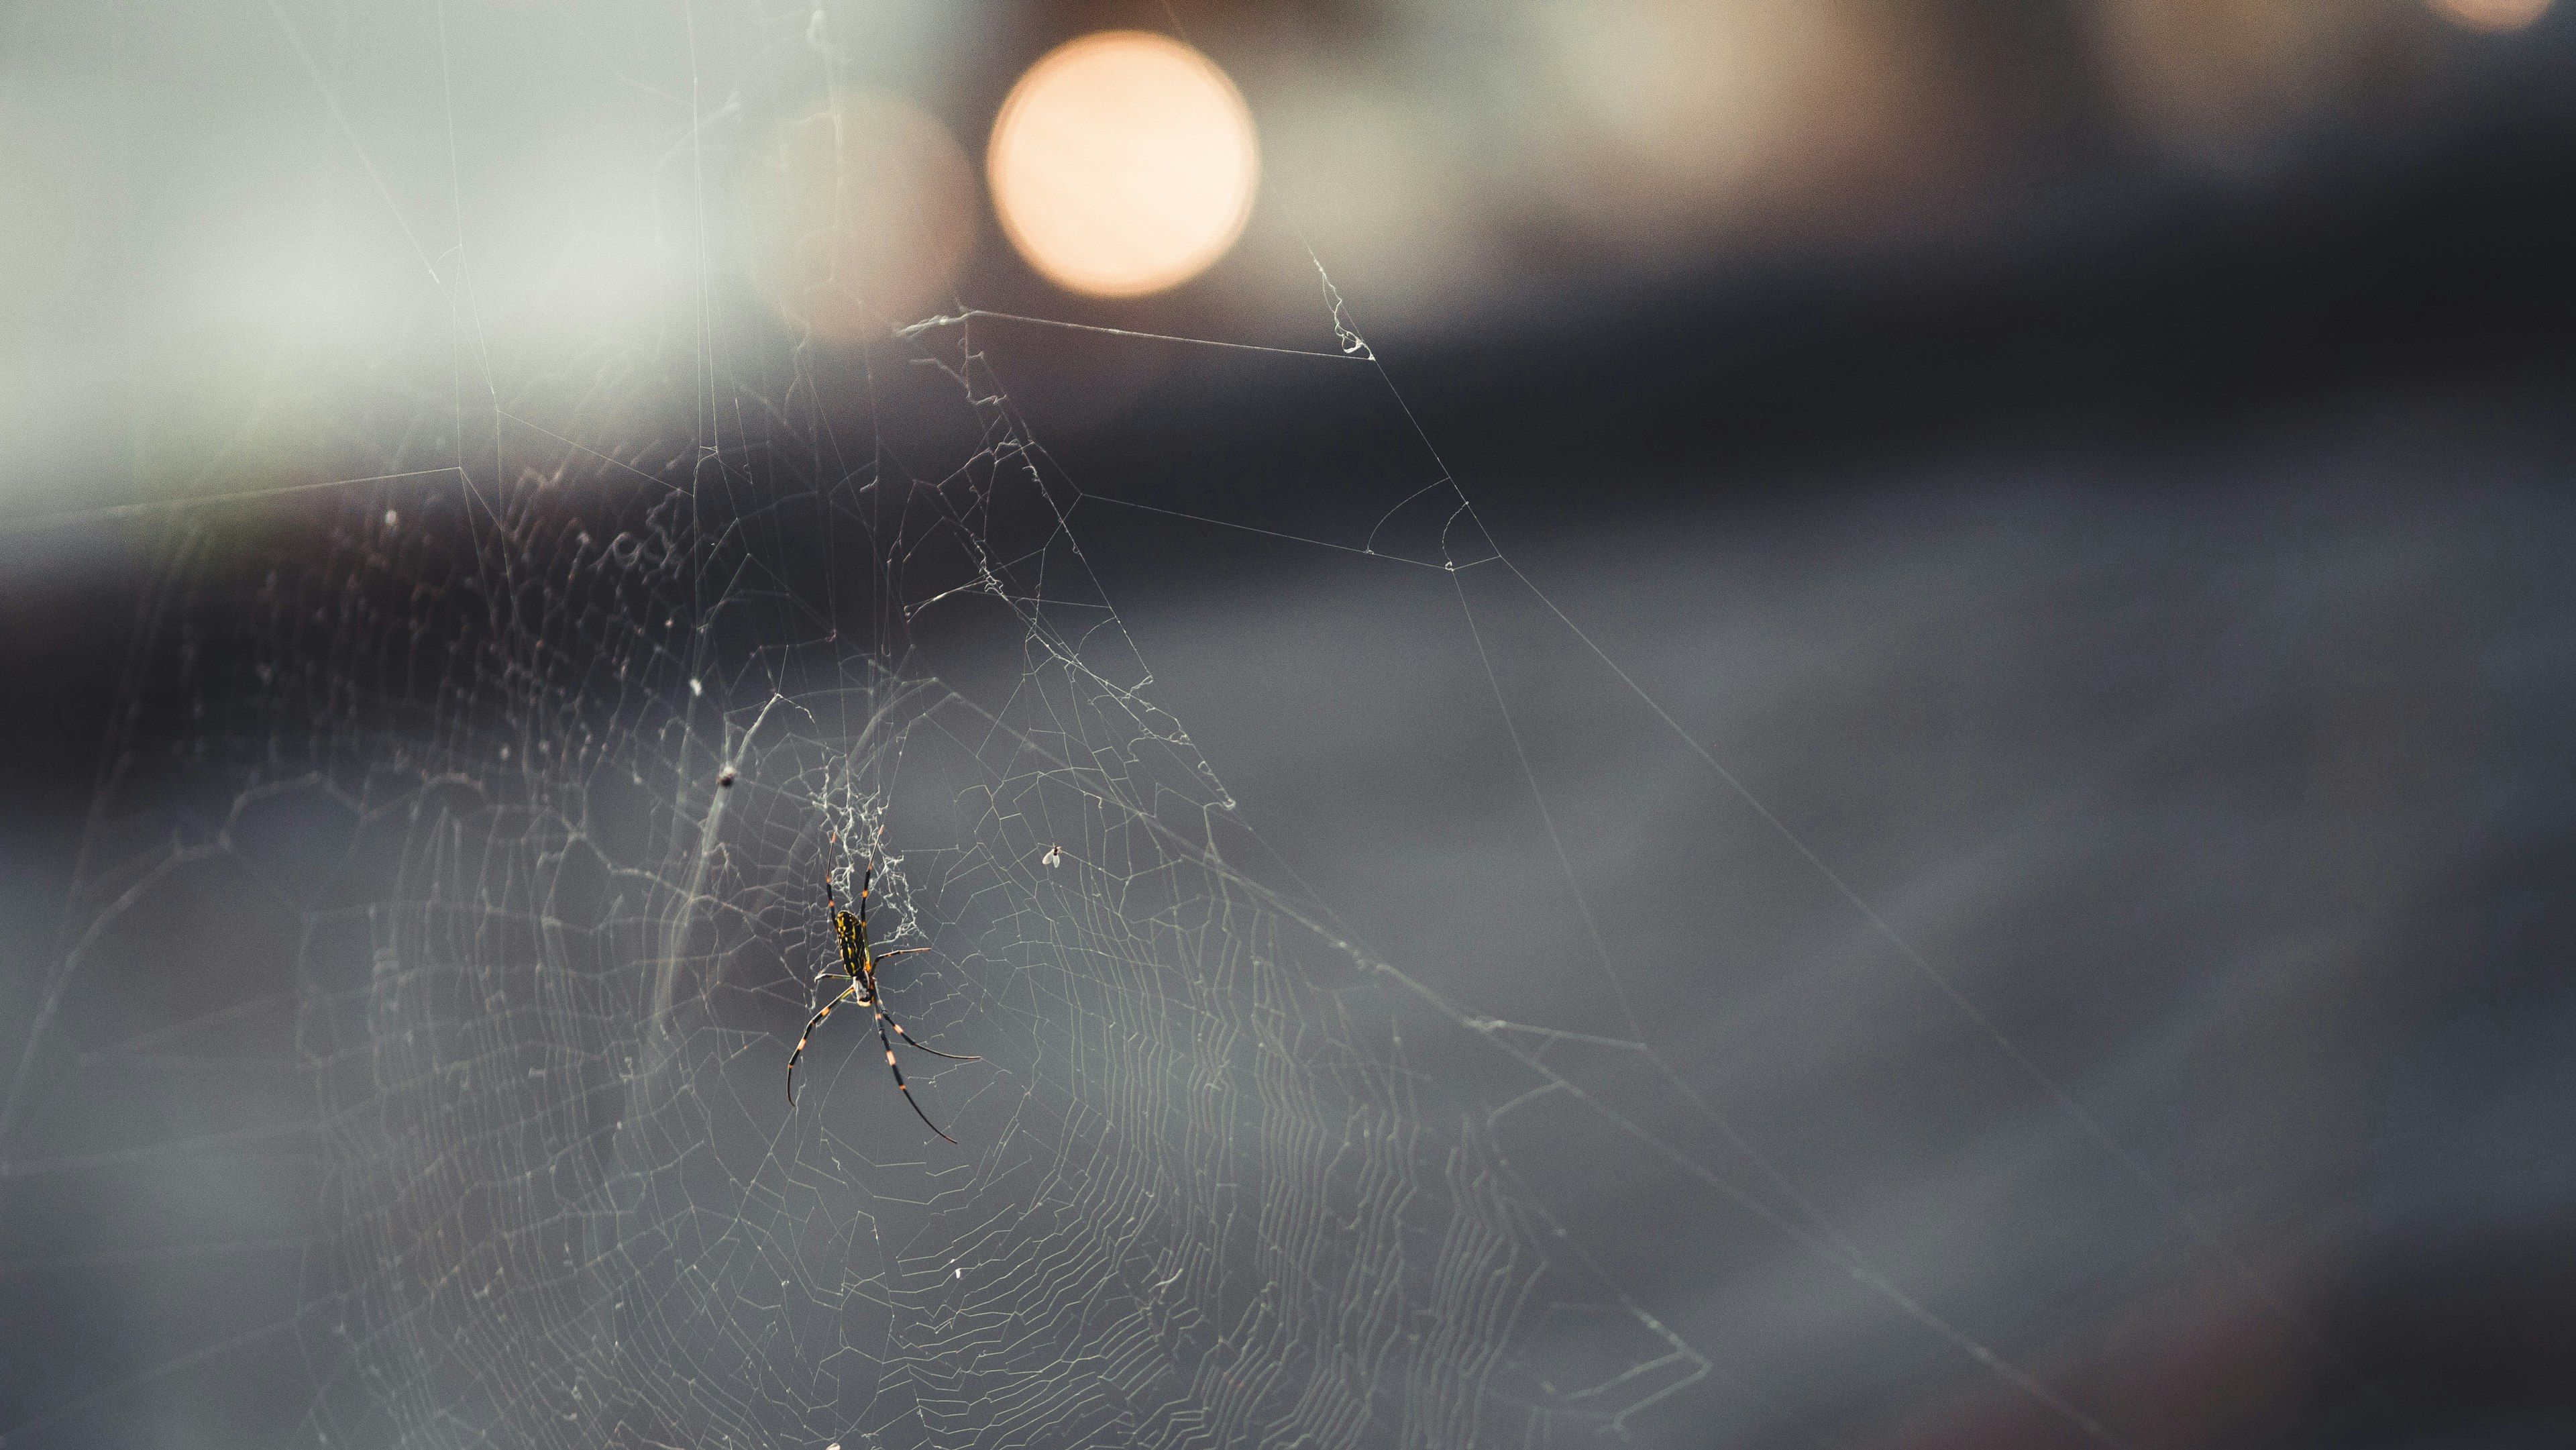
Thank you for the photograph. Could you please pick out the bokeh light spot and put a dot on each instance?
(859, 219)
(1123, 163)
(2490, 14)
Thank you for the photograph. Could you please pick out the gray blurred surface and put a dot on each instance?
(2239, 808)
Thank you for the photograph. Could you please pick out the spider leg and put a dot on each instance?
(908, 1039)
(916, 1046)
(900, 1085)
(824, 975)
(807, 1035)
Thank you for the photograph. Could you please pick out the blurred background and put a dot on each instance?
(2092, 468)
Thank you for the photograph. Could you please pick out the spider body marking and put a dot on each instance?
(859, 969)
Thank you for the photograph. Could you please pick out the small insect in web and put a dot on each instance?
(859, 965)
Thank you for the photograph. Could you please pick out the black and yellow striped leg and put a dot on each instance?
(908, 1039)
(915, 1045)
(900, 1085)
(807, 1035)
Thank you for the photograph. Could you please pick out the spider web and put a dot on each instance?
(523, 747)
(542, 783)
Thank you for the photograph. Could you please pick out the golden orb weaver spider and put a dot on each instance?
(859, 964)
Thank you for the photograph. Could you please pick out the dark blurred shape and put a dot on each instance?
(2215, 75)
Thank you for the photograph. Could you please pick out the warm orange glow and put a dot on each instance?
(1123, 163)
(2490, 14)
(859, 222)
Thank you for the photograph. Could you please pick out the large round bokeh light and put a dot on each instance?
(1123, 163)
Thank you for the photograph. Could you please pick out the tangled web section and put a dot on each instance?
(545, 764)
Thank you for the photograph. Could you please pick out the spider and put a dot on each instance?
(859, 965)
